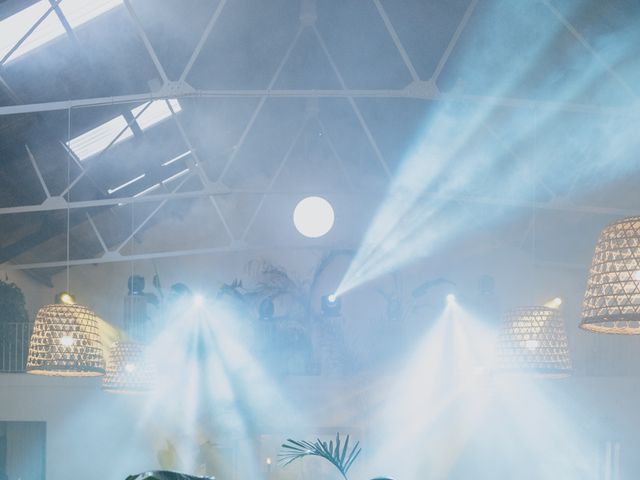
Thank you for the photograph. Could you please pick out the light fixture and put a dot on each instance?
(66, 339)
(331, 305)
(128, 369)
(612, 299)
(313, 217)
(65, 342)
(266, 309)
(554, 302)
(198, 300)
(65, 297)
(451, 299)
(533, 341)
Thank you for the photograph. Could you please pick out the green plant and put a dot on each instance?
(12, 304)
(337, 454)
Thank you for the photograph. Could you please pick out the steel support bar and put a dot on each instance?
(396, 41)
(110, 257)
(186, 92)
(59, 203)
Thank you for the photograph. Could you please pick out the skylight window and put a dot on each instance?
(157, 111)
(77, 12)
(97, 139)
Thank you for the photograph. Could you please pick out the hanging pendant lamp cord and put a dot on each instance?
(68, 193)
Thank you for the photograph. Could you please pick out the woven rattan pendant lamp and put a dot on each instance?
(533, 341)
(612, 299)
(65, 342)
(128, 369)
(66, 339)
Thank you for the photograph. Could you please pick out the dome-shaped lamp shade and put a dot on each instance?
(65, 342)
(128, 369)
(612, 300)
(533, 340)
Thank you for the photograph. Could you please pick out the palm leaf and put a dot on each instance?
(338, 455)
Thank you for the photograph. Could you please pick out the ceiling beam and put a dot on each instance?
(412, 92)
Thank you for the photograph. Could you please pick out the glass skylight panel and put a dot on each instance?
(77, 12)
(96, 140)
(157, 111)
(126, 184)
(13, 28)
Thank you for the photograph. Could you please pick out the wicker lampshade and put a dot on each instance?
(65, 342)
(533, 340)
(612, 300)
(128, 369)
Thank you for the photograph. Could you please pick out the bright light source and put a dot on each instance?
(268, 461)
(173, 177)
(313, 217)
(554, 303)
(67, 341)
(130, 367)
(331, 305)
(97, 139)
(532, 344)
(157, 111)
(451, 299)
(198, 300)
(126, 184)
(146, 190)
(77, 12)
(175, 159)
(67, 298)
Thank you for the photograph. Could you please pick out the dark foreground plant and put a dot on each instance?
(338, 453)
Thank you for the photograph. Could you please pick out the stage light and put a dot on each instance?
(554, 303)
(313, 217)
(451, 299)
(198, 300)
(331, 305)
(266, 309)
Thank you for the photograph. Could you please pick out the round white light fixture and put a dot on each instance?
(313, 217)
(451, 299)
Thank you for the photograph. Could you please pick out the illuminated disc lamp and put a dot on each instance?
(128, 369)
(65, 342)
(612, 299)
(533, 341)
(313, 217)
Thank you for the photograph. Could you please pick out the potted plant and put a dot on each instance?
(338, 454)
